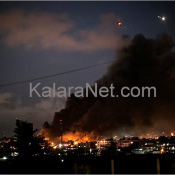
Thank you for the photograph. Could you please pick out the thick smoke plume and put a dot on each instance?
(137, 64)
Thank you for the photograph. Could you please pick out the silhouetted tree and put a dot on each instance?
(27, 142)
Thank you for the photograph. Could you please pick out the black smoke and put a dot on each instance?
(143, 62)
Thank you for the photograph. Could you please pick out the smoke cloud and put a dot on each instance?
(137, 64)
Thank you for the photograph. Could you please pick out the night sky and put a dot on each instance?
(43, 38)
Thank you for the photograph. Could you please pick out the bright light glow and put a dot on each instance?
(60, 145)
(62, 160)
(14, 154)
(162, 150)
(172, 134)
(4, 158)
(163, 18)
(55, 147)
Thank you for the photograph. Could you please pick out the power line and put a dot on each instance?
(75, 70)
(53, 75)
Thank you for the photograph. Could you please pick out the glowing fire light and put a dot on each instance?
(75, 137)
(75, 143)
(162, 150)
(172, 134)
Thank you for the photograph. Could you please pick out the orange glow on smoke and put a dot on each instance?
(76, 137)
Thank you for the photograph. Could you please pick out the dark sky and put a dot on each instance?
(43, 38)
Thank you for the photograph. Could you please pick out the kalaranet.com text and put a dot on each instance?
(81, 92)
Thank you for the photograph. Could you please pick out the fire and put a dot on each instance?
(77, 137)
(172, 134)
(75, 143)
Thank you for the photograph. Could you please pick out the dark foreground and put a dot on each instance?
(143, 164)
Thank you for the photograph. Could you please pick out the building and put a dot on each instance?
(84, 145)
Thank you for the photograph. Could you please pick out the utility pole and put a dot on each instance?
(61, 129)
